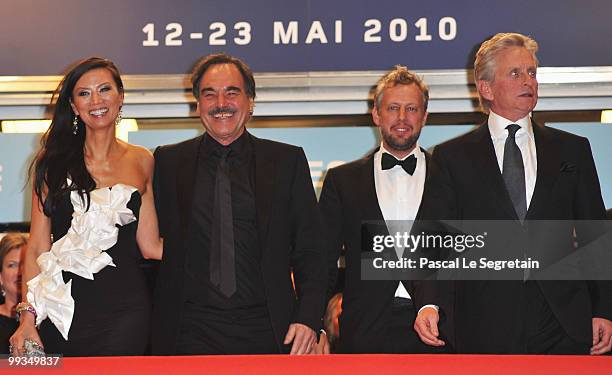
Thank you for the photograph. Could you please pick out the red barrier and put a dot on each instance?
(339, 364)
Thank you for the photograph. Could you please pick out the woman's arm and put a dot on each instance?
(39, 242)
(147, 236)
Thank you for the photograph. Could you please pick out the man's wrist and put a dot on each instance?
(426, 306)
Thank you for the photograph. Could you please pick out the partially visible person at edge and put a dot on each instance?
(93, 220)
(12, 248)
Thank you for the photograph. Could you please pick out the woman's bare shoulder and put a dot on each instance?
(139, 153)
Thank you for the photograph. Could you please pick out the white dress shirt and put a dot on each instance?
(399, 194)
(525, 142)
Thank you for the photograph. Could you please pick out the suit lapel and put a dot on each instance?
(368, 190)
(427, 171)
(185, 180)
(549, 161)
(483, 155)
(265, 176)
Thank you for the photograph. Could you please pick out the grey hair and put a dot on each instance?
(485, 63)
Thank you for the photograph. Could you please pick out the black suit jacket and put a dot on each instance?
(466, 184)
(288, 229)
(348, 198)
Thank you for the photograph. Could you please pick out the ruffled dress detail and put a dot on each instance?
(81, 251)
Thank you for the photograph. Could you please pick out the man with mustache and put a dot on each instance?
(513, 170)
(386, 185)
(238, 215)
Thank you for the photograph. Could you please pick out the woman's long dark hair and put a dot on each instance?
(62, 152)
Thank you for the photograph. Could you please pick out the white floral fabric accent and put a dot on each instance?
(81, 251)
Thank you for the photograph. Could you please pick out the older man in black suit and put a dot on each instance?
(512, 169)
(238, 215)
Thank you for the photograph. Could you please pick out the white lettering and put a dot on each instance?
(377, 247)
(338, 36)
(286, 36)
(316, 32)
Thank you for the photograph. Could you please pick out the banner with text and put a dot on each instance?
(43, 37)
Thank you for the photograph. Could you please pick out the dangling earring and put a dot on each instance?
(119, 117)
(3, 292)
(75, 125)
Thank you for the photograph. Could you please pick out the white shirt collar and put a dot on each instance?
(497, 126)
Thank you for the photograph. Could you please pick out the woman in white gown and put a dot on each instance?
(93, 219)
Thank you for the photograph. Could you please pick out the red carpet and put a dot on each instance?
(338, 364)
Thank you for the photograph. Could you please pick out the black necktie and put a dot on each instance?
(389, 161)
(513, 172)
(222, 266)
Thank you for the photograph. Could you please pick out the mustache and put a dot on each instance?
(218, 110)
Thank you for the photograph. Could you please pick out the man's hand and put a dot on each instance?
(322, 346)
(304, 338)
(602, 336)
(426, 325)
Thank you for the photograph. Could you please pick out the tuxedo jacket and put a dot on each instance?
(465, 183)
(288, 229)
(348, 198)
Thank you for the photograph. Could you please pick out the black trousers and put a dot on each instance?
(543, 332)
(207, 331)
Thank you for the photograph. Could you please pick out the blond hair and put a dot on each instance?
(400, 75)
(11, 241)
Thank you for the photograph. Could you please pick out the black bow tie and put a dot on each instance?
(389, 161)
